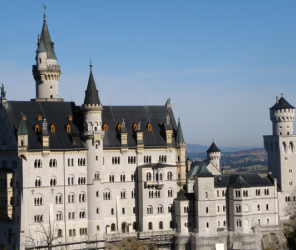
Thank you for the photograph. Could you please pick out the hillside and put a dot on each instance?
(250, 160)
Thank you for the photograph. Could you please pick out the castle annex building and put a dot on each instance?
(84, 174)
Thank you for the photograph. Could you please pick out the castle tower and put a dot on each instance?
(214, 155)
(282, 116)
(46, 72)
(93, 137)
(280, 148)
(180, 154)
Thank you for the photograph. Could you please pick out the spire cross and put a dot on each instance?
(90, 66)
(44, 15)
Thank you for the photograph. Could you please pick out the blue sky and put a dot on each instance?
(221, 62)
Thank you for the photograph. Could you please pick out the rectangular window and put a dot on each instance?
(290, 171)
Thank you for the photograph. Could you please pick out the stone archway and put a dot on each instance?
(124, 227)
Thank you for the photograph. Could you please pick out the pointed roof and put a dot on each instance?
(22, 128)
(213, 148)
(282, 104)
(199, 169)
(179, 137)
(91, 93)
(48, 44)
(240, 182)
(41, 47)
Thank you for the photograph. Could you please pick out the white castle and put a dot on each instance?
(85, 175)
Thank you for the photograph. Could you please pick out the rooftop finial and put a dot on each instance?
(282, 94)
(178, 118)
(90, 66)
(44, 15)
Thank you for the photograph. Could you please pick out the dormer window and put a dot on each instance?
(70, 117)
(119, 127)
(149, 126)
(39, 118)
(24, 117)
(89, 92)
(52, 128)
(68, 128)
(135, 126)
(37, 128)
(105, 127)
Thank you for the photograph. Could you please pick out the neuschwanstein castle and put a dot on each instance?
(79, 177)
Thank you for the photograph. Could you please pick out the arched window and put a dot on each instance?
(160, 176)
(60, 233)
(119, 126)
(68, 128)
(160, 225)
(37, 128)
(135, 126)
(38, 182)
(53, 181)
(170, 175)
(238, 208)
(71, 198)
(70, 117)
(258, 207)
(160, 209)
(59, 216)
(52, 128)
(149, 126)
(291, 147)
(82, 197)
(150, 226)
(111, 177)
(207, 225)
(148, 176)
(206, 195)
(59, 199)
(113, 227)
(170, 192)
(122, 177)
(107, 194)
(97, 176)
(123, 194)
(149, 210)
(82, 214)
(207, 210)
(105, 127)
(39, 117)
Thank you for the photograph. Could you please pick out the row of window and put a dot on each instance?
(149, 176)
(247, 193)
(159, 209)
(122, 177)
(52, 128)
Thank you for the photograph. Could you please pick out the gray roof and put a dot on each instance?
(186, 196)
(48, 44)
(155, 115)
(282, 104)
(241, 181)
(56, 113)
(213, 148)
(199, 169)
(91, 93)
(41, 47)
(179, 137)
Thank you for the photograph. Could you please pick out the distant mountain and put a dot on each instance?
(197, 148)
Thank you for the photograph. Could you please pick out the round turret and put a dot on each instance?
(282, 116)
(214, 155)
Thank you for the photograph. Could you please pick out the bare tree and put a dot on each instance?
(43, 235)
(290, 209)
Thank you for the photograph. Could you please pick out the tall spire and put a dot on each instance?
(91, 93)
(179, 138)
(45, 37)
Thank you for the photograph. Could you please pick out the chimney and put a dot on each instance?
(277, 99)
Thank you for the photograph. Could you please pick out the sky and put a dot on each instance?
(222, 63)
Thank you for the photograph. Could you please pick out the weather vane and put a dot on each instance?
(90, 65)
(44, 7)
